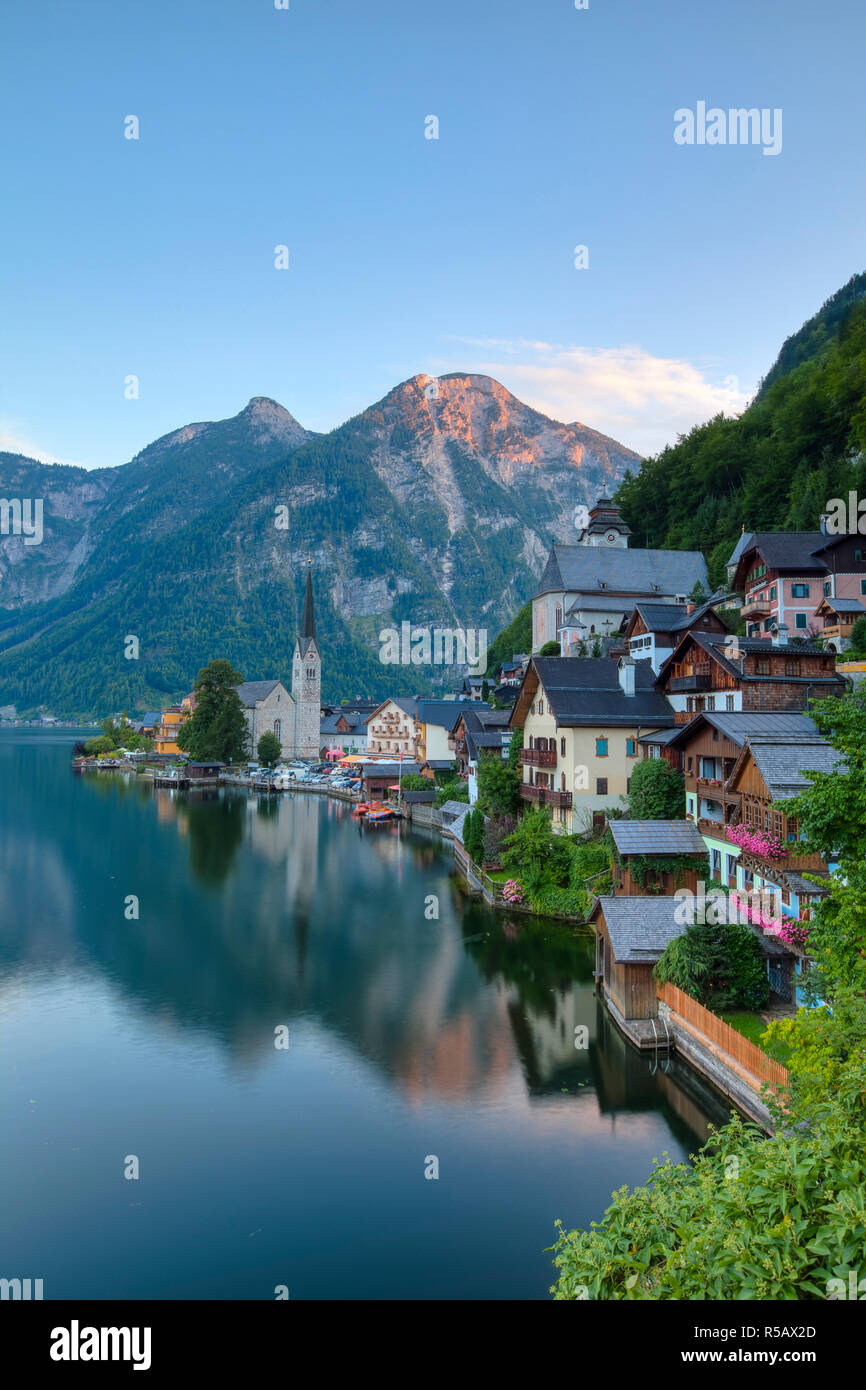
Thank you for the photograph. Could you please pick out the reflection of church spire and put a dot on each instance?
(308, 618)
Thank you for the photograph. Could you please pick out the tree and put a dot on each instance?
(597, 649)
(455, 790)
(551, 649)
(498, 785)
(698, 595)
(269, 749)
(656, 791)
(473, 834)
(217, 729)
(102, 743)
(858, 638)
(485, 689)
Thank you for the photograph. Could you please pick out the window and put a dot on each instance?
(729, 702)
(690, 761)
(277, 729)
(711, 702)
(799, 590)
(763, 666)
(557, 617)
(790, 667)
(562, 747)
(768, 623)
(601, 747)
(630, 748)
(863, 586)
(800, 620)
(541, 707)
(828, 586)
(772, 594)
(601, 786)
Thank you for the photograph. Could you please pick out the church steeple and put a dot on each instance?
(308, 618)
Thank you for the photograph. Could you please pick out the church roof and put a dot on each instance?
(584, 568)
(252, 691)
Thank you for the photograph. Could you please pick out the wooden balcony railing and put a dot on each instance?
(545, 796)
(538, 757)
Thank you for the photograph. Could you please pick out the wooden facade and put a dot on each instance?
(629, 984)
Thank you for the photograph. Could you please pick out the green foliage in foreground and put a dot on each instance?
(656, 791)
(753, 1218)
(719, 964)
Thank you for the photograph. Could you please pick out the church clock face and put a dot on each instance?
(612, 537)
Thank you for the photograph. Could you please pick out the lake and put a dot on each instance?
(150, 1041)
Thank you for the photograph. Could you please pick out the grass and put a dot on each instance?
(753, 1027)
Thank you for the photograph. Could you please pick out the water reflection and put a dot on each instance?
(306, 916)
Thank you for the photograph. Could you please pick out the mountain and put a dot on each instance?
(800, 443)
(435, 505)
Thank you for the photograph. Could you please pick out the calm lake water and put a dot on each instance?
(303, 1167)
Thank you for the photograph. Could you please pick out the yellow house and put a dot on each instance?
(581, 719)
(165, 736)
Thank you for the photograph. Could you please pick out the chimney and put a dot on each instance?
(780, 635)
(690, 608)
(626, 675)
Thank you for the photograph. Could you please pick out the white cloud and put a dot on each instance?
(11, 442)
(640, 400)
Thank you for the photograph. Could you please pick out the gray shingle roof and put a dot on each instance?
(743, 542)
(737, 725)
(586, 691)
(445, 712)
(639, 928)
(578, 569)
(253, 691)
(787, 549)
(657, 837)
(845, 605)
(781, 762)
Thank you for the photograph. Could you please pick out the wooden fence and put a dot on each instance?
(723, 1036)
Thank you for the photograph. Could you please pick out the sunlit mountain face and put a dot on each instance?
(435, 506)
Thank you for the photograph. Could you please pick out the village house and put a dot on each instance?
(652, 630)
(769, 771)
(586, 589)
(836, 618)
(708, 671)
(166, 732)
(784, 575)
(343, 731)
(394, 728)
(581, 721)
(477, 733)
(437, 719)
(705, 750)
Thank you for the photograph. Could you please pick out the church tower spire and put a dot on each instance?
(307, 679)
(308, 618)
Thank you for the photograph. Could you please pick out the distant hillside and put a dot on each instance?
(822, 328)
(801, 442)
(434, 506)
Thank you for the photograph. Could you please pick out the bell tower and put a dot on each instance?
(307, 679)
(605, 527)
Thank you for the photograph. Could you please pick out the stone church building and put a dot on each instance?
(293, 716)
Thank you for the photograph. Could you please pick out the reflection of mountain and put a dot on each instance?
(306, 920)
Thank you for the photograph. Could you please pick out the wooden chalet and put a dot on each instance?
(708, 672)
(768, 772)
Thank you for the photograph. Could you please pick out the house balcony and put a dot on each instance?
(698, 680)
(538, 757)
(714, 828)
(545, 796)
(757, 608)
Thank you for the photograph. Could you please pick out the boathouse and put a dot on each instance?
(631, 933)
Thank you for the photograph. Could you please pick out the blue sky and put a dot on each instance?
(305, 127)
